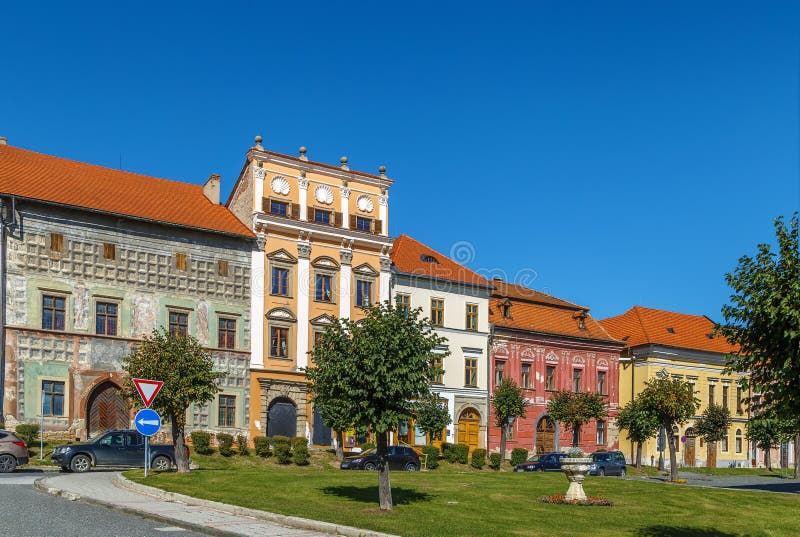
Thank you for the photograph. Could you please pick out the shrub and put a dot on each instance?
(28, 432)
(225, 444)
(495, 461)
(447, 452)
(278, 439)
(282, 448)
(367, 445)
(261, 446)
(432, 462)
(518, 456)
(201, 440)
(299, 441)
(478, 458)
(241, 445)
(300, 451)
(461, 453)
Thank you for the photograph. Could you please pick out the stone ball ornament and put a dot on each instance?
(365, 203)
(280, 185)
(323, 194)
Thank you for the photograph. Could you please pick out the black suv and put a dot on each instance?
(399, 457)
(546, 462)
(114, 448)
(608, 463)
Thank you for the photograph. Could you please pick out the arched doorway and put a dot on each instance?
(322, 433)
(469, 426)
(282, 418)
(545, 435)
(106, 410)
(689, 447)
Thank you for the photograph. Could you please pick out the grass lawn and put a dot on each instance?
(459, 501)
(737, 471)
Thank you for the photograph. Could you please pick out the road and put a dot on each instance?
(763, 483)
(30, 513)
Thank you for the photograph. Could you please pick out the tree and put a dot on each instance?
(187, 371)
(508, 405)
(767, 432)
(713, 426)
(641, 424)
(431, 416)
(673, 401)
(763, 320)
(338, 415)
(576, 409)
(377, 367)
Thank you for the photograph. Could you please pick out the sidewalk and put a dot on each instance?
(112, 490)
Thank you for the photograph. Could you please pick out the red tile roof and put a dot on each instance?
(407, 257)
(52, 179)
(642, 326)
(538, 312)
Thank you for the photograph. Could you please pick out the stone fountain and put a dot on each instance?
(575, 466)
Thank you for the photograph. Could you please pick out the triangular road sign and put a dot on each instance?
(148, 389)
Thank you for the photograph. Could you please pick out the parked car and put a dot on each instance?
(608, 463)
(114, 448)
(545, 462)
(400, 458)
(13, 451)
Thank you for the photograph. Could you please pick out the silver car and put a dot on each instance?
(13, 451)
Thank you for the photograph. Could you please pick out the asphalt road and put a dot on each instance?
(26, 512)
(744, 482)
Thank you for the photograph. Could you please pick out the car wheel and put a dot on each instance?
(601, 472)
(623, 473)
(540, 469)
(161, 463)
(7, 463)
(80, 463)
(370, 466)
(411, 467)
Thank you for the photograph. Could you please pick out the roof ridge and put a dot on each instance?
(577, 306)
(641, 323)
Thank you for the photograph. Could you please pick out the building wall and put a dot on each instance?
(142, 280)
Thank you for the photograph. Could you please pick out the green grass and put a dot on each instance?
(459, 501)
(763, 472)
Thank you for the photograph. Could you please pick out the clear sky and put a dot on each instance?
(609, 153)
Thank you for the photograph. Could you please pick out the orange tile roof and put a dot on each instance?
(642, 326)
(538, 312)
(32, 175)
(407, 255)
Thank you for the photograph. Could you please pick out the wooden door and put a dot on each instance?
(711, 460)
(545, 436)
(689, 452)
(106, 410)
(469, 425)
(282, 419)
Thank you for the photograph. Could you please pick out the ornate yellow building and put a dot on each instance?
(323, 253)
(678, 345)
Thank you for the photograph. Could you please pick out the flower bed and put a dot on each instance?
(590, 500)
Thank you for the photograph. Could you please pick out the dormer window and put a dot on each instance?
(505, 308)
(426, 258)
(671, 330)
(581, 316)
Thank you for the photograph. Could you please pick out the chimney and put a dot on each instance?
(3, 140)
(211, 188)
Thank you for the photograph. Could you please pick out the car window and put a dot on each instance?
(113, 440)
(620, 458)
(135, 439)
(601, 457)
(534, 458)
(3, 435)
(392, 450)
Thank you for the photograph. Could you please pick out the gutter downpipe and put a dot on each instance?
(3, 225)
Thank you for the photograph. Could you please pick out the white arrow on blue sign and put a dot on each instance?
(147, 422)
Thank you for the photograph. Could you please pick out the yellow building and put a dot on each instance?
(323, 253)
(678, 345)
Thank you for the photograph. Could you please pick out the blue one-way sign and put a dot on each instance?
(147, 421)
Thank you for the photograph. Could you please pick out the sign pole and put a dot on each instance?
(146, 453)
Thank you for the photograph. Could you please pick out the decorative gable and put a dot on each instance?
(282, 255)
(281, 314)
(323, 320)
(365, 269)
(325, 262)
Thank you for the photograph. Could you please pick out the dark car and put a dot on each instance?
(545, 462)
(114, 448)
(400, 458)
(608, 463)
(13, 451)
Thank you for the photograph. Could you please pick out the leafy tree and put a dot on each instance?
(713, 425)
(507, 402)
(641, 424)
(674, 403)
(576, 409)
(187, 371)
(338, 415)
(767, 432)
(377, 367)
(763, 320)
(431, 416)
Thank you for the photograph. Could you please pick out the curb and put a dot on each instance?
(285, 520)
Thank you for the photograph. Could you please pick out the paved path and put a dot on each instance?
(112, 490)
(765, 483)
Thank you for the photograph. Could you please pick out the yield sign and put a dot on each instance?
(148, 389)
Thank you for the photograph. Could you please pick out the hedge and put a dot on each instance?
(478, 458)
(518, 456)
(261, 446)
(461, 453)
(432, 461)
(241, 445)
(447, 452)
(225, 444)
(495, 461)
(300, 451)
(282, 448)
(28, 432)
(201, 440)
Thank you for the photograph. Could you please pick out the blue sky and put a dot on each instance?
(609, 153)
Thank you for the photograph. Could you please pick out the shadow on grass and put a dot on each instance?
(676, 531)
(400, 495)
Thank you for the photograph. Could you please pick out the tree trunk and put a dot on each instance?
(768, 458)
(503, 443)
(339, 445)
(181, 459)
(576, 436)
(384, 485)
(796, 456)
(638, 455)
(673, 458)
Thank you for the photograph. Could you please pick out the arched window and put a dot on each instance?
(738, 440)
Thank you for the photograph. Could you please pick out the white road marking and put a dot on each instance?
(170, 528)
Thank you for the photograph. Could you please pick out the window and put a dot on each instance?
(318, 335)
(739, 409)
(710, 394)
(180, 262)
(499, 367)
(601, 382)
(471, 372)
(279, 342)
(53, 312)
(280, 208)
(601, 432)
(550, 378)
(690, 384)
(322, 289)
(222, 267)
(472, 317)
(178, 323)
(738, 440)
(227, 410)
(280, 281)
(226, 333)
(322, 217)
(725, 397)
(438, 363)
(525, 381)
(363, 293)
(56, 242)
(725, 442)
(437, 311)
(363, 224)
(105, 318)
(403, 303)
(109, 251)
(52, 398)
(576, 380)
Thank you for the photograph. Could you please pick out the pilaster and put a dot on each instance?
(345, 277)
(303, 282)
(257, 287)
(345, 194)
(302, 182)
